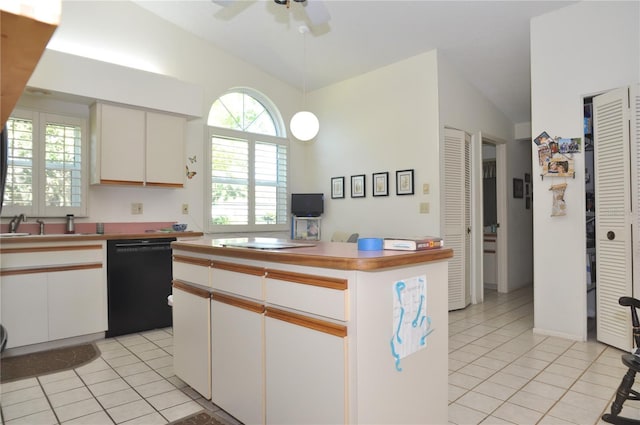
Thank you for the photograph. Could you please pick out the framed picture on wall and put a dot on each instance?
(358, 186)
(381, 184)
(404, 182)
(518, 188)
(337, 187)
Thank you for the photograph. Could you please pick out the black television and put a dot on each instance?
(307, 204)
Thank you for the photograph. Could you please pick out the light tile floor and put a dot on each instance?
(499, 373)
(132, 382)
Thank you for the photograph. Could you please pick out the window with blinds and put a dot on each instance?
(248, 165)
(45, 165)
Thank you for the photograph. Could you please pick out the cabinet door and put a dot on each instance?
(165, 150)
(191, 337)
(77, 303)
(236, 357)
(24, 308)
(305, 370)
(122, 139)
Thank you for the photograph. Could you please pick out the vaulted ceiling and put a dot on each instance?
(487, 41)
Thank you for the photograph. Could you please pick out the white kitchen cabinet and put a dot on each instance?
(136, 147)
(75, 299)
(24, 309)
(301, 353)
(52, 291)
(237, 371)
(192, 336)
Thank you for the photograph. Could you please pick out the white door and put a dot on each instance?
(635, 183)
(613, 216)
(457, 216)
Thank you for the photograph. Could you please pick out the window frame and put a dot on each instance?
(252, 139)
(39, 208)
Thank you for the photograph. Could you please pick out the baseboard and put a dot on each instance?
(58, 343)
(563, 335)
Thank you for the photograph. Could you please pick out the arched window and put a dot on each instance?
(248, 164)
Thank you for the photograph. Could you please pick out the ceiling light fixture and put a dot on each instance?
(304, 125)
(287, 2)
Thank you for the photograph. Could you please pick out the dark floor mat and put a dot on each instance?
(45, 362)
(200, 418)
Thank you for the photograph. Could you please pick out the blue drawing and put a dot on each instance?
(413, 324)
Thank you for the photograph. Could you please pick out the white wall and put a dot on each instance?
(576, 51)
(127, 30)
(384, 120)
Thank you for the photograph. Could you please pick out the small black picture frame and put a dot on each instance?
(358, 186)
(380, 183)
(337, 187)
(527, 177)
(404, 182)
(518, 188)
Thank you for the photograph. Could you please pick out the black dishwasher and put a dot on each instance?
(139, 274)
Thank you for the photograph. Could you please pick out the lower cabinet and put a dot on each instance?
(192, 336)
(41, 307)
(305, 370)
(236, 357)
(25, 309)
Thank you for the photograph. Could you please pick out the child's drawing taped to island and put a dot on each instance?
(559, 207)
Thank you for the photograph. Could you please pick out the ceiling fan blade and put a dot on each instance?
(317, 12)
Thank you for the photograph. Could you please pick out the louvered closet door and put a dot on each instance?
(635, 183)
(456, 219)
(613, 219)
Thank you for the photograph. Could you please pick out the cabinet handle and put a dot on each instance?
(307, 322)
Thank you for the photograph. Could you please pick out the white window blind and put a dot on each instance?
(46, 174)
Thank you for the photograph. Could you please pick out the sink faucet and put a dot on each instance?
(15, 222)
(41, 223)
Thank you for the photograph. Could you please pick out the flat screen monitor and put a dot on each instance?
(307, 204)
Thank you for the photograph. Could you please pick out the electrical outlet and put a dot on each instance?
(136, 208)
(425, 188)
(185, 208)
(424, 208)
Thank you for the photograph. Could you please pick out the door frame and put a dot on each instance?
(477, 239)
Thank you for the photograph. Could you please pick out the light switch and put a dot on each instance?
(424, 208)
(425, 188)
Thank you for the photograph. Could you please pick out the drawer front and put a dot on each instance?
(36, 256)
(246, 281)
(192, 269)
(318, 295)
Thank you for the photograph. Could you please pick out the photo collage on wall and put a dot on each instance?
(555, 157)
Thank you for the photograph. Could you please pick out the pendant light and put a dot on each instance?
(304, 125)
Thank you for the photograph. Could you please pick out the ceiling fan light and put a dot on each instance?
(304, 126)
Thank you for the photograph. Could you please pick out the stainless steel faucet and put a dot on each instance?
(41, 223)
(15, 222)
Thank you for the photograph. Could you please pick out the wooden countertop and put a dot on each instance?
(96, 237)
(333, 255)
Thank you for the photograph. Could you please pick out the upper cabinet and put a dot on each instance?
(132, 146)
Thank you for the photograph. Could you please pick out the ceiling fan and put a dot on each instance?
(315, 10)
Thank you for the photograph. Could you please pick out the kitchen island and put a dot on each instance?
(322, 333)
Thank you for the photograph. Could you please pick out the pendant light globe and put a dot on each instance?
(304, 126)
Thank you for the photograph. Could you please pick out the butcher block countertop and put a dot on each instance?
(95, 237)
(334, 255)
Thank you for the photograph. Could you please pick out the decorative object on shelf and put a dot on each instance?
(404, 182)
(358, 186)
(559, 207)
(518, 188)
(179, 227)
(337, 187)
(304, 124)
(380, 184)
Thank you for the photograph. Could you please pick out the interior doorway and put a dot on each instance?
(490, 222)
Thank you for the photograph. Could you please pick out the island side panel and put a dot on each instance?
(382, 394)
